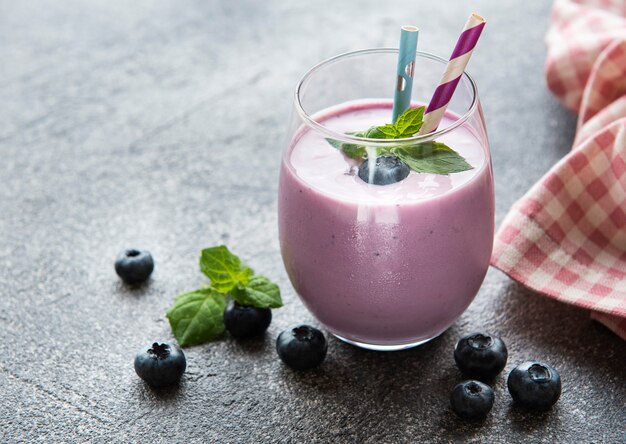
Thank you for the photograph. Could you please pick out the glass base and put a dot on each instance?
(379, 347)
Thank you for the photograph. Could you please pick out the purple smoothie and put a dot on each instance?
(384, 265)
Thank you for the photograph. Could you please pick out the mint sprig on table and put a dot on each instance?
(198, 316)
(425, 157)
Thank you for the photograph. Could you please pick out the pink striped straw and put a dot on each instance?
(454, 70)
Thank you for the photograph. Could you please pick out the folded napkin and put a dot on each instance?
(566, 238)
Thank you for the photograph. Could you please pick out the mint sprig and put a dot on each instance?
(198, 316)
(426, 157)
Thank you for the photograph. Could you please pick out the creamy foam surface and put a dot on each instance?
(326, 170)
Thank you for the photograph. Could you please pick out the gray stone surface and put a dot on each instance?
(159, 125)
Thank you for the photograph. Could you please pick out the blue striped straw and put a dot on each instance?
(405, 71)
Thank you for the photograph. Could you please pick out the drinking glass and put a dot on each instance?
(380, 271)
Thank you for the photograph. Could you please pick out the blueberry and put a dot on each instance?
(472, 399)
(535, 385)
(243, 321)
(134, 266)
(160, 364)
(301, 347)
(480, 356)
(389, 169)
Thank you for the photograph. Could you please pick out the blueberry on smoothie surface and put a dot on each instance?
(134, 266)
(301, 347)
(387, 170)
(534, 385)
(472, 399)
(243, 321)
(480, 356)
(160, 364)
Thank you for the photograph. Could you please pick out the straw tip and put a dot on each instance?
(410, 28)
(477, 17)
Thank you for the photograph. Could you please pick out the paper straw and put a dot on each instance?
(454, 70)
(405, 70)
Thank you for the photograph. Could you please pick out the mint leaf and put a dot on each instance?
(349, 149)
(357, 133)
(260, 292)
(224, 269)
(354, 151)
(390, 131)
(432, 157)
(197, 316)
(376, 132)
(409, 122)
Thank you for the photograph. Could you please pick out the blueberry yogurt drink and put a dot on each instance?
(385, 255)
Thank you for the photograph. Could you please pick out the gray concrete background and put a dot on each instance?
(159, 125)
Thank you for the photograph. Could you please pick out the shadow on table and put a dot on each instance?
(253, 347)
(349, 366)
(547, 329)
(527, 421)
(133, 290)
(167, 395)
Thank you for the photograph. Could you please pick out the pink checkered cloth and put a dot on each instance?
(566, 238)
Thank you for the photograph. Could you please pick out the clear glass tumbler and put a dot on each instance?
(384, 267)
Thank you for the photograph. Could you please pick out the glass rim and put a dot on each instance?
(312, 123)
